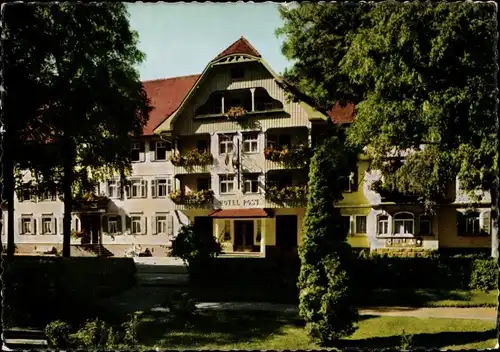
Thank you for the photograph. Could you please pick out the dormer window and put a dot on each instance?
(237, 73)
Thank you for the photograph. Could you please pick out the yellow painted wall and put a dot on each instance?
(358, 241)
(448, 232)
(358, 197)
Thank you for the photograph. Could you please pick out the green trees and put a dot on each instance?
(91, 100)
(326, 303)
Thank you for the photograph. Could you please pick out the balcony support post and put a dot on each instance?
(309, 137)
(222, 105)
(252, 90)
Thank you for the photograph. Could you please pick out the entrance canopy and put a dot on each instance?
(241, 213)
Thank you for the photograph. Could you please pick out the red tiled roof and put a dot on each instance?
(166, 95)
(240, 213)
(342, 114)
(241, 46)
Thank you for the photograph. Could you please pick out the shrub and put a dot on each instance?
(326, 303)
(484, 275)
(194, 246)
(58, 334)
(93, 334)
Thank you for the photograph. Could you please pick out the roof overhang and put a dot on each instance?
(241, 213)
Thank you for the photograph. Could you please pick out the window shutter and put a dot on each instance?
(144, 186)
(152, 149)
(153, 188)
(61, 225)
(486, 226)
(54, 225)
(127, 191)
(170, 225)
(119, 224)
(128, 223)
(144, 225)
(19, 194)
(34, 226)
(354, 180)
(118, 189)
(142, 150)
(352, 229)
(153, 225)
(20, 226)
(105, 224)
(461, 220)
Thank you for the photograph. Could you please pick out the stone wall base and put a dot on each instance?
(118, 250)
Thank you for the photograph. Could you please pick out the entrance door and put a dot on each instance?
(243, 235)
(91, 226)
(286, 232)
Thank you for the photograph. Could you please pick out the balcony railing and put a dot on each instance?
(288, 195)
(192, 161)
(295, 157)
(193, 199)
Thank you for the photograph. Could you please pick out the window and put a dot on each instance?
(383, 225)
(203, 183)
(226, 184)
(227, 230)
(161, 151)
(113, 224)
(135, 153)
(27, 226)
(251, 184)
(360, 224)
(161, 187)
(202, 145)
(472, 223)
(250, 144)
(161, 224)
(113, 189)
(136, 225)
(237, 73)
(48, 226)
(403, 224)
(225, 144)
(48, 195)
(345, 222)
(26, 195)
(137, 189)
(425, 225)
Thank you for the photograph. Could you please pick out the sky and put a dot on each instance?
(181, 38)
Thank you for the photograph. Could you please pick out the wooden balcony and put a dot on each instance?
(286, 197)
(192, 200)
(192, 162)
(296, 157)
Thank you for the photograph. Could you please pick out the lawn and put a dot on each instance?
(266, 330)
(428, 298)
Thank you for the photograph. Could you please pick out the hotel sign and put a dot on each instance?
(403, 242)
(240, 203)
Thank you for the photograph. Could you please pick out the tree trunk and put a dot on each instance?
(68, 197)
(494, 252)
(8, 174)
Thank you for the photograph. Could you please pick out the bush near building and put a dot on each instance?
(38, 290)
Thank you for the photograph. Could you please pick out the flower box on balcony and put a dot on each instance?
(298, 156)
(192, 158)
(287, 194)
(236, 112)
(193, 198)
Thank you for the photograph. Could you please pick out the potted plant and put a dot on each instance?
(236, 111)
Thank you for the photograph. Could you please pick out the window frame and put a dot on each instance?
(168, 185)
(161, 145)
(250, 142)
(136, 146)
(113, 219)
(134, 184)
(134, 219)
(251, 179)
(356, 231)
(468, 217)
(404, 220)
(116, 187)
(51, 221)
(427, 220)
(227, 180)
(29, 220)
(161, 221)
(383, 219)
(225, 141)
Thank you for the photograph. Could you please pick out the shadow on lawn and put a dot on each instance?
(425, 340)
(216, 327)
(411, 298)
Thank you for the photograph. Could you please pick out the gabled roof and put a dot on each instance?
(166, 95)
(241, 46)
(169, 94)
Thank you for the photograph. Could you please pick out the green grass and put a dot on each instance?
(429, 298)
(266, 330)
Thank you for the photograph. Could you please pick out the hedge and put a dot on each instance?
(38, 290)
(258, 279)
